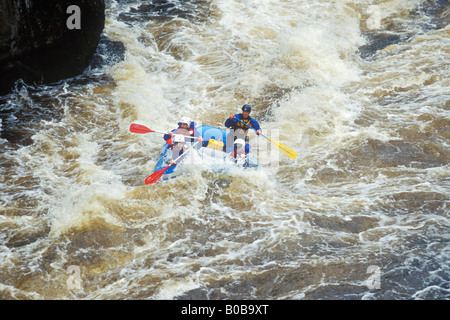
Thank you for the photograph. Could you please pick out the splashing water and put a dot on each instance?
(361, 94)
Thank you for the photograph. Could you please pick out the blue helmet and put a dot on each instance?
(247, 107)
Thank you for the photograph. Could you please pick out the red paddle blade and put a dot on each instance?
(155, 176)
(139, 128)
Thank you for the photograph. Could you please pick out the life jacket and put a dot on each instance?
(187, 132)
(240, 125)
(178, 149)
(238, 155)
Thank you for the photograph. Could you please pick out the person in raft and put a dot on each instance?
(239, 149)
(186, 128)
(234, 123)
(179, 146)
(178, 137)
(239, 129)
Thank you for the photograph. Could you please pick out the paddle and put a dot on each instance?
(155, 176)
(286, 150)
(139, 128)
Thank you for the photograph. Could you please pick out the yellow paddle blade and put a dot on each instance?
(286, 150)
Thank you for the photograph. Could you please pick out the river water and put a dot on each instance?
(360, 89)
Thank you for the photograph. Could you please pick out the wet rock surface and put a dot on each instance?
(39, 43)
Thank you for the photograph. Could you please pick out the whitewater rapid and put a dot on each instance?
(358, 88)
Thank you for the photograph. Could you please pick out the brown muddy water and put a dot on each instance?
(360, 89)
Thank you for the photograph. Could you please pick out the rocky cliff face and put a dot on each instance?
(43, 41)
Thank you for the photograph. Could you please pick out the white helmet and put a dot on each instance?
(178, 138)
(185, 120)
(239, 141)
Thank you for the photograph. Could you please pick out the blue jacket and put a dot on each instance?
(235, 124)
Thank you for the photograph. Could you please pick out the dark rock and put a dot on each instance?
(377, 41)
(108, 53)
(36, 44)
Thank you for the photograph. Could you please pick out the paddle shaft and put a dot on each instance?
(185, 153)
(141, 129)
(286, 150)
(155, 176)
